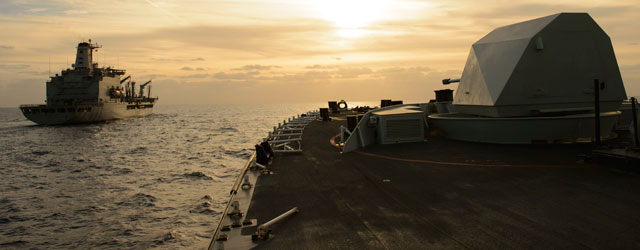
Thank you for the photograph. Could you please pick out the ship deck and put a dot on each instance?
(443, 194)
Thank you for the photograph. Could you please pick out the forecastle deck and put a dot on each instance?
(442, 194)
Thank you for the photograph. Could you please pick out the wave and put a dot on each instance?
(168, 237)
(139, 200)
(198, 175)
(240, 153)
(205, 207)
(129, 167)
(227, 129)
(14, 243)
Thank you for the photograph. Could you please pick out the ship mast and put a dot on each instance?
(84, 56)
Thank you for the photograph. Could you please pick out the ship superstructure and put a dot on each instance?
(89, 93)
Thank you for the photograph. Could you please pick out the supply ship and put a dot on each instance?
(533, 152)
(89, 93)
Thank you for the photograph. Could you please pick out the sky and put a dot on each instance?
(280, 51)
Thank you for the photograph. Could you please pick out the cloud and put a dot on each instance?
(13, 66)
(403, 74)
(545, 9)
(21, 91)
(297, 79)
(248, 38)
(235, 76)
(187, 68)
(634, 68)
(194, 76)
(153, 76)
(315, 66)
(352, 72)
(244, 45)
(75, 12)
(36, 10)
(231, 44)
(256, 67)
(318, 66)
(316, 75)
(35, 73)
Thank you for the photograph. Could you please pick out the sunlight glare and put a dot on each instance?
(351, 15)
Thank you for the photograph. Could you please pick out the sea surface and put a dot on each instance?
(158, 182)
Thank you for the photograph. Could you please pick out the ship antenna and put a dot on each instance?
(49, 66)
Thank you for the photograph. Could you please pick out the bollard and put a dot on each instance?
(246, 184)
(596, 93)
(235, 212)
(635, 121)
(341, 134)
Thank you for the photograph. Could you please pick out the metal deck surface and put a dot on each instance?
(442, 194)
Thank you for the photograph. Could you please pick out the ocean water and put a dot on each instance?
(155, 182)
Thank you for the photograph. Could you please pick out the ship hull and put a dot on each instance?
(84, 113)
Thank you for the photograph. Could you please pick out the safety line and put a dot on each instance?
(472, 164)
(333, 143)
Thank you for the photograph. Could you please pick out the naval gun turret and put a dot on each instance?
(541, 66)
(537, 81)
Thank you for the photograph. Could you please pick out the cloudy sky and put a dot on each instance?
(279, 51)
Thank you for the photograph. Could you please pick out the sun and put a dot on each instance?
(351, 17)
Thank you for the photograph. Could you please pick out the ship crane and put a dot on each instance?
(133, 90)
(142, 89)
(127, 89)
(125, 79)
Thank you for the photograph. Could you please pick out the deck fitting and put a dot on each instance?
(247, 184)
(236, 212)
(223, 237)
